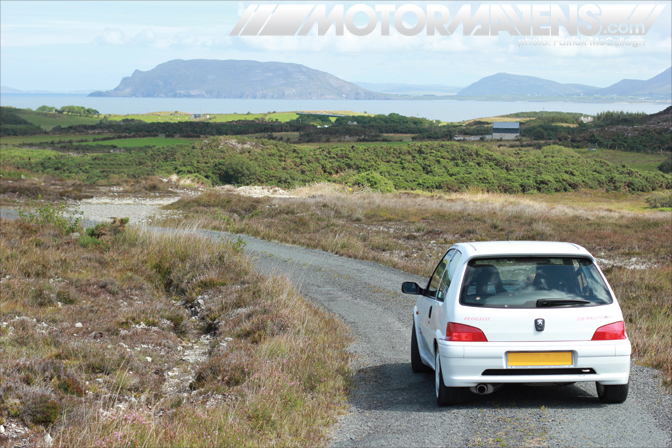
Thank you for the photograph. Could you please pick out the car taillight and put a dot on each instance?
(610, 332)
(464, 333)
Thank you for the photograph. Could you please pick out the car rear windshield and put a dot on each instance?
(533, 282)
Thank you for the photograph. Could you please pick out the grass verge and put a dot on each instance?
(645, 296)
(120, 337)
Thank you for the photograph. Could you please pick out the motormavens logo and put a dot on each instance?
(435, 19)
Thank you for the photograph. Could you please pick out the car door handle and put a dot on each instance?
(430, 313)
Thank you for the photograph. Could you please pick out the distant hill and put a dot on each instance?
(207, 78)
(507, 84)
(658, 85)
(5, 89)
(410, 89)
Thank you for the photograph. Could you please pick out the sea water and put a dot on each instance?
(444, 110)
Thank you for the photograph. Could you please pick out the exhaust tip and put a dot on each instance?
(482, 389)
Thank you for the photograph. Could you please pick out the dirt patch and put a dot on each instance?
(256, 191)
(139, 210)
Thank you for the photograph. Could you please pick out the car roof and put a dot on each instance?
(517, 248)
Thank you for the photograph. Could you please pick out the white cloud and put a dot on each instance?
(112, 36)
(145, 37)
(199, 41)
(117, 37)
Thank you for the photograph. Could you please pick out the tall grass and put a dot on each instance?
(645, 296)
(160, 340)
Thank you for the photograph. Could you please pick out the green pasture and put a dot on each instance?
(223, 118)
(174, 117)
(44, 138)
(282, 116)
(49, 120)
(149, 118)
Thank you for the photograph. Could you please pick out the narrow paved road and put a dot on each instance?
(391, 406)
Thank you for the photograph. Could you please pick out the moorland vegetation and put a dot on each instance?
(118, 337)
(78, 308)
(429, 166)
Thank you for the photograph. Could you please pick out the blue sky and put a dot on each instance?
(81, 45)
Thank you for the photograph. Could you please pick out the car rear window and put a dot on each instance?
(532, 282)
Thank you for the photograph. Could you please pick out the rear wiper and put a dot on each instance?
(558, 302)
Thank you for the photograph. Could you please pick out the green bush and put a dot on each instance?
(88, 241)
(102, 233)
(373, 181)
(238, 170)
(196, 178)
(666, 165)
(52, 214)
(660, 199)
(42, 409)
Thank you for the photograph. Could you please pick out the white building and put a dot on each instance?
(505, 130)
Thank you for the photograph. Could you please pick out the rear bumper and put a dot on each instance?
(463, 364)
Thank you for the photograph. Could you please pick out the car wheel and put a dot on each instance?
(416, 361)
(612, 394)
(445, 396)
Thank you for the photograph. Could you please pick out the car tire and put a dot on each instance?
(445, 396)
(416, 361)
(616, 393)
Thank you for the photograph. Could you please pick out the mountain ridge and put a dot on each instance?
(510, 84)
(658, 85)
(507, 84)
(213, 78)
(7, 89)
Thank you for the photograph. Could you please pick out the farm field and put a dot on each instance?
(46, 138)
(224, 118)
(282, 116)
(152, 117)
(501, 119)
(174, 117)
(48, 121)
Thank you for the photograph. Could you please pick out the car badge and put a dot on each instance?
(539, 324)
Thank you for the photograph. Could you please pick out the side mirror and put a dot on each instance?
(411, 288)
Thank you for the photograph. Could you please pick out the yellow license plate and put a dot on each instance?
(540, 359)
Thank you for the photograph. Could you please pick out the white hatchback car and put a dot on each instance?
(525, 312)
